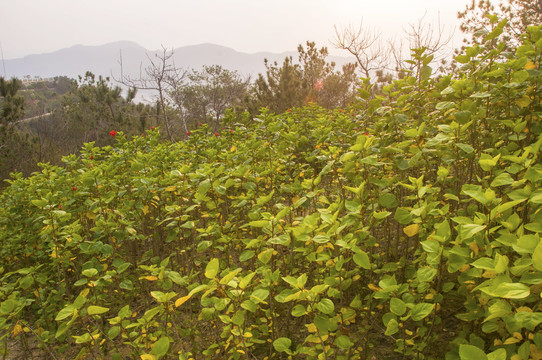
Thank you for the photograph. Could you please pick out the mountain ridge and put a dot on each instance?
(105, 60)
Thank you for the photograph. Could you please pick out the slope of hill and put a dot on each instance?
(105, 60)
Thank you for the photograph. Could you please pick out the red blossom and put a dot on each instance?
(153, 128)
(188, 133)
(60, 207)
(112, 133)
(318, 84)
(74, 188)
(288, 110)
(231, 131)
(366, 133)
(217, 134)
(91, 157)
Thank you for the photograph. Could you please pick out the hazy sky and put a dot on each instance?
(39, 26)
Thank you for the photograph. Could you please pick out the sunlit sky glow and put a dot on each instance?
(38, 26)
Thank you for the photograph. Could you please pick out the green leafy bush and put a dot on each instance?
(409, 222)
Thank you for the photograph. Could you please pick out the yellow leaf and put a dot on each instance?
(170, 188)
(408, 332)
(524, 309)
(411, 230)
(233, 148)
(530, 65)
(145, 209)
(311, 328)
(523, 101)
(150, 278)
(17, 329)
(536, 352)
(517, 336)
(91, 215)
(511, 340)
(148, 357)
(474, 247)
(464, 268)
(182, 300)
(374, 287)
(516, 357)
(84, 293)
(489, 274)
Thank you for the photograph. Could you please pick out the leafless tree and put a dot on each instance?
(162, 76)
(432, 38)
(365, 45)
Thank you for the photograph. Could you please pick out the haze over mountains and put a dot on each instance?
(105, 60)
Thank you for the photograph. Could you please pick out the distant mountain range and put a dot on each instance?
(105, 60)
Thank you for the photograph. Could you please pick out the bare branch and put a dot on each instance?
(365, 46)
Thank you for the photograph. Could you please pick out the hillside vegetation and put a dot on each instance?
(406, 226)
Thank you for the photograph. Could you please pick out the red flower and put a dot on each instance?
(217, 134)
(188, 133)
(60, 207)
(288, 110)
(318, 84)
(91, 157)
(153, 128)
(74, 188)
(356, 129)
(340, 110)
(366, 133)
(231, 131)
(112, 133)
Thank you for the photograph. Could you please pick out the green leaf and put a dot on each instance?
(65, 313)
(523, 101)
(502, 179)
(507, 290)
(90, 272)
(204, 186)
(344, 342)
(282, 344)
(113, 332)
(323, 323)
(462, 59)
(420, 311)
(211, 270)
(392, 327)
(465, 147)
(265, 256)
(425, 72)
(403, 216)
(321, 239)
(126, 285)
(326, 306)
(397, 306)
(96, 310)
(239, 318)
(299, 310)
(362, 259)
(246, 255)
(467, 231)
(10, 304)
(471, 352)
(537, 257)
(499, 354)
(161, 347)
(388, 200)
(259, 223)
